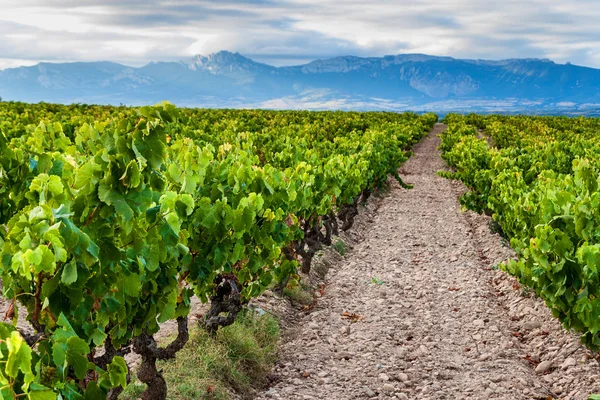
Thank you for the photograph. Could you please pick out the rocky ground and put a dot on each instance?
(418, 310)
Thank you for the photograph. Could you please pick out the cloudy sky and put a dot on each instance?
(283, 32)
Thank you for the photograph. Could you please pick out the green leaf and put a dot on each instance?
(113, 198)
(152, 214)
(59, 353)
(61, 212)
(64, 323)
(77, 351)
(168, 200)
(174, 222)
(189, 202)
(238, 251)
(132, 176)
(86, 174)
(207, 213)
(94, 392)
(132, 284)
(112, 304)
(98, 337)
(69, 273)
(76, 240)
(40, 392)
(117, 371)
(153, 258)
(25, 243)
(55, 186)
(170, 307)
(19, 355)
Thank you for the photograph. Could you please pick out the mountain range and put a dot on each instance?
(401, 82)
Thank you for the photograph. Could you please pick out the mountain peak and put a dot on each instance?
(223, 62)
(222, 56)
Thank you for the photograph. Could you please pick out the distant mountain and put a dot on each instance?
(224, 79)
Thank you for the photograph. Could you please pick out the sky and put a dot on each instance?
(287, 32)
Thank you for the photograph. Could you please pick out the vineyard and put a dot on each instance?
(538, 179)
(112, 219)
(115, 220)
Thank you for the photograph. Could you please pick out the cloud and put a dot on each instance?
(280, 32)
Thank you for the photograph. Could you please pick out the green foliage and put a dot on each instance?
(540, 184)
(111, 219)
(44, 373)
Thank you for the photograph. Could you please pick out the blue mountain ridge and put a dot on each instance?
(225, 79)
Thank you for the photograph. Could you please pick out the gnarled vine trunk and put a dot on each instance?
(348, 213)
(332, 220)
(146, 346)
(227, 300)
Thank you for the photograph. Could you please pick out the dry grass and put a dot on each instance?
(237, 359)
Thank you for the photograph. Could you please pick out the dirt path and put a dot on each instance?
(439, 322)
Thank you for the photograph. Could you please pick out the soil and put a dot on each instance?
(418, 310)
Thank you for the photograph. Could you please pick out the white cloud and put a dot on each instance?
(294, 31)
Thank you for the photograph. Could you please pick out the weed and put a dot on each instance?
(299, 295)
(375, 281)
(340, 247)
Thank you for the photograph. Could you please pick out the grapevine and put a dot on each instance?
(538, 178)
(111, 219)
